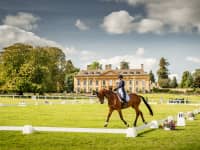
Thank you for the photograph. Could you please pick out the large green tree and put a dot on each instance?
(187, 80)
(173, 83)
(196, 76)
(71, 71)
(32, 69)
(152, 77)
(163, 79)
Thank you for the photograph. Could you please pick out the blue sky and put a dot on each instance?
(109, 31)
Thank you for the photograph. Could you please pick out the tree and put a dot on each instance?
(163, 79)
(124, 65)
(70, 71)
(196, 77)
(32, 69)
(173, 83)
(95, 65)
(152, 77)
(187, 80)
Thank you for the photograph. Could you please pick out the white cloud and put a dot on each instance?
(150, 25)
(177, 16)
(81, 25)
(122, 22)
(134, 61)
(140, 51)
(10, 35)
(22, 20)
(193, 59)
(118, 22)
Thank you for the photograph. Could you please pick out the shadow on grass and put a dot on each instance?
(147, 131)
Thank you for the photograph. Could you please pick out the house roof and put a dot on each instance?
(111, 72)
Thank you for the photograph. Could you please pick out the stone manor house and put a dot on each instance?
(136, 80)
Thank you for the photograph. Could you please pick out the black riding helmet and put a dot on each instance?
(120, 76)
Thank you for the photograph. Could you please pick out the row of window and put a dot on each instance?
(132, 72)
(130, 82)
(79, 90)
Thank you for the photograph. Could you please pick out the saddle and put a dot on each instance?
(123, 104)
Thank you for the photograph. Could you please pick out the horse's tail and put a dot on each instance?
(148, 106)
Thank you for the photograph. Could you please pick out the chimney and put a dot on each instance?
(108, 67)
(142, 66)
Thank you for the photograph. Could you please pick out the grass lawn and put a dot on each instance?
(93, 115)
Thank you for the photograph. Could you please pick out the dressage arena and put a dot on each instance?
(87, 117)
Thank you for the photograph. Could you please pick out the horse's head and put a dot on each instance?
(101, 95)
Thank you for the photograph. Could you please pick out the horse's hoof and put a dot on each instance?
(105, 126)
(145, 122)
(127, 125)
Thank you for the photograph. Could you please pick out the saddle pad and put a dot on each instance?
(120, 93)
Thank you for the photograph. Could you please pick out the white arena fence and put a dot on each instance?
(13, 100)
(130, 132)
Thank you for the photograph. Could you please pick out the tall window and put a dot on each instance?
(97, 89)
(97, 82)
(110, 82)
(136, 82)
(90, 82)
(130, 82)
(78, 82)
(104, 83)
(84, 82)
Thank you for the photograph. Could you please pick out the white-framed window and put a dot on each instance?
(84, 82)
(97, 82)
(110, 82)
(104, 82)
(97, 89)
(78, 82)
(90, 82)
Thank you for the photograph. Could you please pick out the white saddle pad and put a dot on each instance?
(121, 94)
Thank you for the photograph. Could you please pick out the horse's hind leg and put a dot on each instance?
(141, 114)
(108, 117)
(122, 118)
(137, 111)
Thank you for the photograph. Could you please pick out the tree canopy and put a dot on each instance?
(95, 65)
(163, 79)
(152, 77)
(25, 68)
(124, 65)
(196, 77)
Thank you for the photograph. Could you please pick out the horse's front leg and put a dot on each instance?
(122, 118)
(108, 117)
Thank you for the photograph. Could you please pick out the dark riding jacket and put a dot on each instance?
(122, 85)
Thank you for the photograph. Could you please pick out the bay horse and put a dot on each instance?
(115, 104)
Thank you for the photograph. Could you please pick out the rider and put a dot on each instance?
(120, 87)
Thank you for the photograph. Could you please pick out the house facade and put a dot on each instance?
(136, 80)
